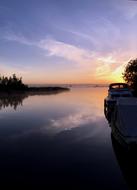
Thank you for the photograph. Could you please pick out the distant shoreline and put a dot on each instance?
(35, 90)
(50, 88)
(46, 90)
(68, 85)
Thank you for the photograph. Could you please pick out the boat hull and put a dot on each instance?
(124, 121)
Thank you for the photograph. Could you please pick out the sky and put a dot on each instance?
(67, 41)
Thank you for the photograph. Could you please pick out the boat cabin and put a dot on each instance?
(119, 90)
(115, 91)
(118, 86)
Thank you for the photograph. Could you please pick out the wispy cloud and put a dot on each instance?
(67, 51)
(97, 34)
(89, 37)
(54, 47)
(101, 66)
(17, 38)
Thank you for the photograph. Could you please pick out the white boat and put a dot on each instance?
(115, 91)
(124, 120)
(120, 109)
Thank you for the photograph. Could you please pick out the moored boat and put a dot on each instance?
(120, 109)
(124, 120)
(115, 91)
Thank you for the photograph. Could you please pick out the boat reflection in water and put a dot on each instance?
(127, 160)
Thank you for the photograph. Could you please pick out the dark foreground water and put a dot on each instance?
(60, 140)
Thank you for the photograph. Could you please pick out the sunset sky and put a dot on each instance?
(67, 41)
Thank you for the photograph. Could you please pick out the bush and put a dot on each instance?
(130, 74)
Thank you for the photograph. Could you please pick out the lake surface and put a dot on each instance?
(59, 140)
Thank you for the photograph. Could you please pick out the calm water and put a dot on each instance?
(60, 140)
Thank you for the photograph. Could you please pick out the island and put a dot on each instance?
(13, 91)
(13, 84)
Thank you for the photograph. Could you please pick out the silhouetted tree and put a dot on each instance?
(130, 74)
(12, 83)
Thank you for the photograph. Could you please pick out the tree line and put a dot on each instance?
(11, 83)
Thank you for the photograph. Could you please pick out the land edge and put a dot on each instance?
(35, 90)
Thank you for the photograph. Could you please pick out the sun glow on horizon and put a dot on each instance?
(73, 46)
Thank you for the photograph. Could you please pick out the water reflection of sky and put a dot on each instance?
(66, 134)
(55, 113)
